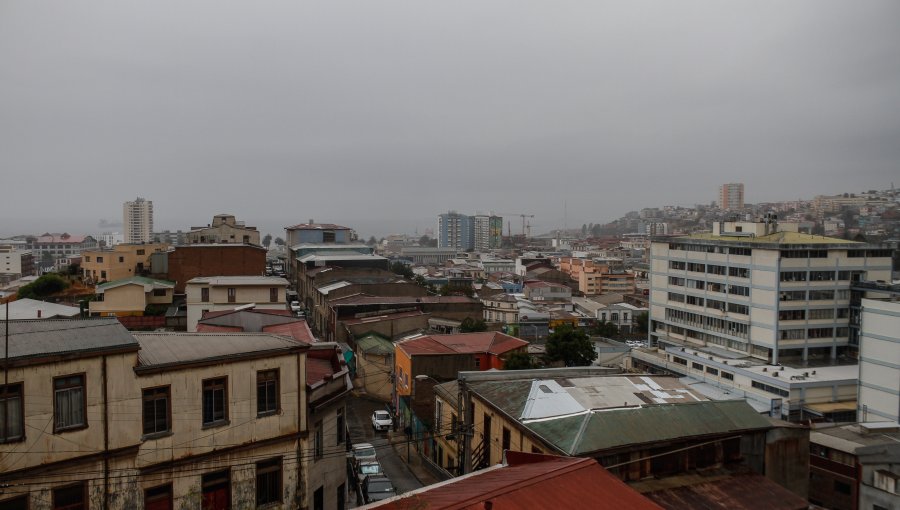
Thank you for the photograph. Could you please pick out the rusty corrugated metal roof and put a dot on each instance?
(737, 492)
(528, 481)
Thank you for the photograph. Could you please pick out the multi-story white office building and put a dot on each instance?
(879, 361)
(488, 232)
(731, 196)
(138, 219)
(752, 289)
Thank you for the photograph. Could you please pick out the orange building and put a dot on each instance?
(598, 276)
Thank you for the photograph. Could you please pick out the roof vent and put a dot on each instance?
(774, 374)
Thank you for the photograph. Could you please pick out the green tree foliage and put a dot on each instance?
(605, 329)
(641, 320)
(44, 286)
(372, 241)
(571, 346)
(403, 270)
(470, 325)
(519, 361)
(267, 240)
(279, 241)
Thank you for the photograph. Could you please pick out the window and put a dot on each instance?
(69, 406)
(267, 397)
(216, 493)
(232, 295)
(328, 236)
(19, 503)
(697, 366)
(739, 272)
(318, 443)
(159, 292)
(506, 439)
(268, 482)
(477, 362)
(158, 498)
(87, 258)
(215, 401)
(121, 259)
(12, 418)
(156, 410)
(674, 264)
(99, 260)
(273, 295)
(204, 294)
(319, 499)
(728, 375)
(793, 276)
(73, 497)
(340, 434)
(680, 361)
(141, 252)
(712, 371)
(819, 276)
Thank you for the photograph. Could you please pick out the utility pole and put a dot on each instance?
(468, 426)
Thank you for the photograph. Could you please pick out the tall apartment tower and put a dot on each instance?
(731, 196)
(456, 231)
(138, 220)
(488, 232)
(754, 289)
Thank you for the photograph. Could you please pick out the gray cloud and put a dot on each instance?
(380, 115)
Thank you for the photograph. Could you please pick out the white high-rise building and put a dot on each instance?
(755, 290)
(138, 220)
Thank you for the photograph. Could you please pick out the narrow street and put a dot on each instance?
(393, 463)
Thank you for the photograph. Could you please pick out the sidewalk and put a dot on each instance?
(417, 466)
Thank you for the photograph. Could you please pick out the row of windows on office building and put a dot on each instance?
(714, 304)
(708, 323)
(709, 248)
(738, 290)
(709, 338)
(818, 276)
(696, 267)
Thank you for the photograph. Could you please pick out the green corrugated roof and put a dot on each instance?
(604, 430)
(136, 279)
(375, 344)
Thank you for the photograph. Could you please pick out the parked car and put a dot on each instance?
(378, 488)
(381, 420)
(363, 452)
(368, 468)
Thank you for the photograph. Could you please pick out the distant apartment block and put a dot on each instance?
(456, 231)
(224, 229)
(61, 245)
(137, 217)
(488, 232)
(177, 238)
(15, 262)
(110, 239)
(731, 196)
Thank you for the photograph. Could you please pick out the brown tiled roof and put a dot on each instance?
(491, 342)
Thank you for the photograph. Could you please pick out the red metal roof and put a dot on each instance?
(298, 330)
(739, 492)
(492, 342)
(529, 481)
(318, 369)
(209, 328)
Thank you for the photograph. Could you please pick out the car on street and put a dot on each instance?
(368, 468)
(381, 420)
(363, 452)
(378, 488)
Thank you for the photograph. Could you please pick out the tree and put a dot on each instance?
(518, 361)
(605, 329)
(267, 240)
(642, 320)
(279, 241)
(403, 270)
(372, 241)
(47, 259)
(571, 346)
(470, 325)
(44, 286)
(427, 242)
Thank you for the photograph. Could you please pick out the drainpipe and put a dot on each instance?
(105, 438)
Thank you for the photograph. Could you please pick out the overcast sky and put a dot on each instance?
(380, 115)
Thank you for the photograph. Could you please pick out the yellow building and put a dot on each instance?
(131, 296)
(121, 261)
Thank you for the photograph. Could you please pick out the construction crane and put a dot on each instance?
(523, 216)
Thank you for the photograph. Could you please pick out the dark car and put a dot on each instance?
(378, 488)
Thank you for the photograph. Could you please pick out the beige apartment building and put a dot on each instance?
(119, 262)
(137, 217)
(214, 293)
(224, 229)
(100, 418)
(131, 296)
